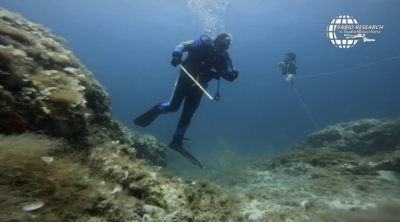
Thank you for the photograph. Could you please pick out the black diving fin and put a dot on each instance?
(187, 155)
(148, 117)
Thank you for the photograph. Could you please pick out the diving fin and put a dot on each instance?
(148, 117)
(187, 155)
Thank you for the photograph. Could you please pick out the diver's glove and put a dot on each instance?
(231, 75)
(176, 58)
(289, 77)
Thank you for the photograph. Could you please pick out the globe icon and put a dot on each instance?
(331, 31)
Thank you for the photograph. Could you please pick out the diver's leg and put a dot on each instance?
(180, 89)
(192, 101)
(171, 106)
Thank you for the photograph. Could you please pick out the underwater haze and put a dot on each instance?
(127, 45)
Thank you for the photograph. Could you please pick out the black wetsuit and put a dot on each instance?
(204, 63)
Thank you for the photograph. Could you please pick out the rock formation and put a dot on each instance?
(364, 137)
(44, 88)
(63, 157)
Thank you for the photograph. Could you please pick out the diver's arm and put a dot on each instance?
(230, 73)
(183, 47)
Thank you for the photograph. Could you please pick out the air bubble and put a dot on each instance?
(209, 14)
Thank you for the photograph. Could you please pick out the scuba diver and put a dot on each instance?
(288, 66)
(207, 59)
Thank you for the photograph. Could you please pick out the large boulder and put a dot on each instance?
(44, 88)
(364, 137)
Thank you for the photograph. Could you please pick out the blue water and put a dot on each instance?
(128, 46)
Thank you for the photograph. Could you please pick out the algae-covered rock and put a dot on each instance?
(307, 184)
(44, 88)
(364, 137)
(38, 185)
(159, 195)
